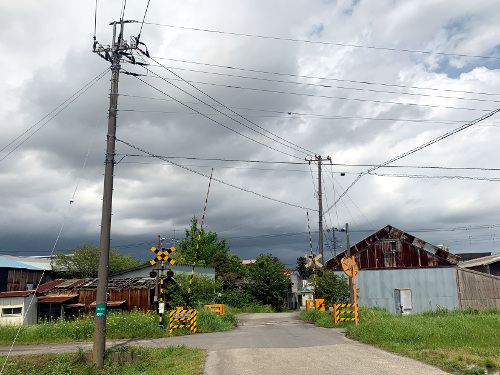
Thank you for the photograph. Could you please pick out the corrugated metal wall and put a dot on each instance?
(478, 289)
(429, 287)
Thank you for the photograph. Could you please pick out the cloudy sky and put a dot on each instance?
(251, 89)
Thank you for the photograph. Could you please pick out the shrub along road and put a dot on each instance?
(277, 343)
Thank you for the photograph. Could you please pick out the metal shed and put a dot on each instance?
(391, 260)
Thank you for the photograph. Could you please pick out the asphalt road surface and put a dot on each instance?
(270, 344)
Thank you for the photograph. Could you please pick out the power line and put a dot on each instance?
(320, 96)
(435, 140)
(326, 43)
(330, 86)
(291, 114)
(328, 79)
(228, 108)
(496, 179)
(215, 179)
(217, 122)
(61, 107)
(306, 163)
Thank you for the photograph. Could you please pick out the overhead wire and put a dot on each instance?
(65, 219)
(215, 179)
(290, 114)
(295, 146)
(217, 122)
(325, 96)
(327, 43)
(429, 143)
(331, 86)
(56, 111)
(310, 170)
(329, 79)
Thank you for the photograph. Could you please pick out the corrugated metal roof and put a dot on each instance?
(16, 294)
(48, 285)
(481, 261)
(56, 299)
(35, 263)
(4, 263)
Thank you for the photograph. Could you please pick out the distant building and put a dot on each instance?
(20, 273)
(488, 264)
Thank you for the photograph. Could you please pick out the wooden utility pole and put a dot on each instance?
(318, 159)
(113, 55)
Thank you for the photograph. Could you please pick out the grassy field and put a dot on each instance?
(155, 361)
(118, 325)
(459, 341)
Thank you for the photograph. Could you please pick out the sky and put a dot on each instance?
(255, 90)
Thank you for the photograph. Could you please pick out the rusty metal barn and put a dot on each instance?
(405, 274)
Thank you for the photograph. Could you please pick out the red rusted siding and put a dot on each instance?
(18, 279)
(393, 248)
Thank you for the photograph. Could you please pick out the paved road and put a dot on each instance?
(271, 344)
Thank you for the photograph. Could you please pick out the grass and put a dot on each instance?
(172, 360)
(136, 324)
(459, 341)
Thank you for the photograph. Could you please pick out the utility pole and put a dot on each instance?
(318, 159)
(113, 54)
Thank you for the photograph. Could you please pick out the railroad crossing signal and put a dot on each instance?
(162, 255)
(313, 261)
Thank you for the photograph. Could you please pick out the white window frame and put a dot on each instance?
(12, 313)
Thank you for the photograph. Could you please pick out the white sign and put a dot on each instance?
(161, 308)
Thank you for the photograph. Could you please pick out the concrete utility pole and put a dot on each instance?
(112, 54)
(318, 159)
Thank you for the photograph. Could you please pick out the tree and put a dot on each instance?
(83, 262)
(208, 246)
(202, 290)
(266, 281)
(301, 267)
(333, 288)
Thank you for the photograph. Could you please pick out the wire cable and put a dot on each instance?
(327, 43)
(215, 179)
(232, 111)
(142, 24)
(330, 86)
(55, 244)
(61, 107)
(217, 122)
(435, 140)
(323, 96)
(326, 78)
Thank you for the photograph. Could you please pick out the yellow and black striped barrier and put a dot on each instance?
(183, 318)
(218, 309)
(317, 304)
(339, 312)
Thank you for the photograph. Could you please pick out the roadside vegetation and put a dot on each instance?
(136, 324)
(459, 341)
(172, 360)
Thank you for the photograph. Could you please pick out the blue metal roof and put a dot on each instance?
(14, 264)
